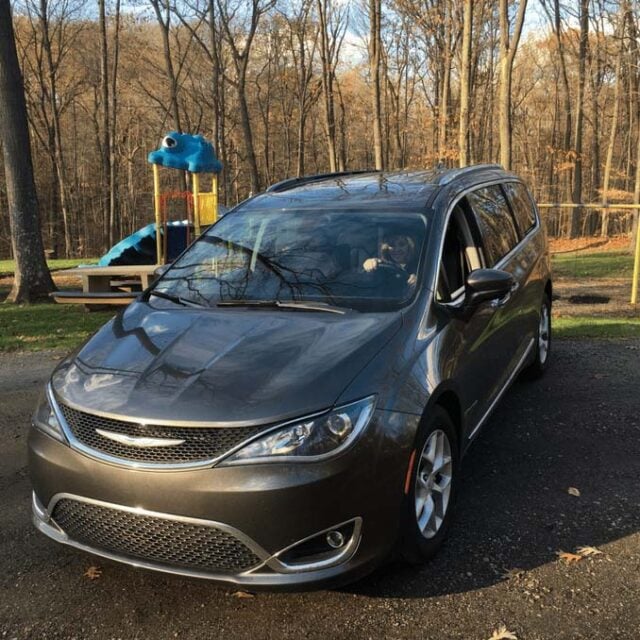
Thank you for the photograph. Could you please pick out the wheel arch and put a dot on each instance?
(446, 396)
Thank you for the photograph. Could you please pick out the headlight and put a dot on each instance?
(312, 438)
(45, 418)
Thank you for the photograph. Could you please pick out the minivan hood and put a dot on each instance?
(228, 366)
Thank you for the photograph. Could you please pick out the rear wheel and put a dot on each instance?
(433, 486)
(543, 341)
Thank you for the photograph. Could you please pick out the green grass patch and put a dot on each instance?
(8, 267)
(46, 326)
(607, 264)
(595, 327)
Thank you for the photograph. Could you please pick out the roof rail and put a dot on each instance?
(456, 173)
(290, 183)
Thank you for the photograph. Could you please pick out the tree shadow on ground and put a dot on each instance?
(575, 428)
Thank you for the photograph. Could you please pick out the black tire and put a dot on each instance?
(415, 547)
(541, 357)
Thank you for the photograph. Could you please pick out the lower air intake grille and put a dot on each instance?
(200, 443)
(155, 539)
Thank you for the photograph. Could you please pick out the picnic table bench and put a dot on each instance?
(117, 285)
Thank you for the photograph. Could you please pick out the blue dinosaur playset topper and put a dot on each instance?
(193, 153)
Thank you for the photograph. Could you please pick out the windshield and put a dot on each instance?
(360, 260)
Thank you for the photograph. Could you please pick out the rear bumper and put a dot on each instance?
(268, 508)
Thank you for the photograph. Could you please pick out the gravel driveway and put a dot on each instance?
(577, 428)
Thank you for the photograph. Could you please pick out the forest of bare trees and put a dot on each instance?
(548, 88)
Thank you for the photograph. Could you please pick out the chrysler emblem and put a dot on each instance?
(139, 441)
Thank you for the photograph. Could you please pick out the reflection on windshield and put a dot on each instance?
(361, 260)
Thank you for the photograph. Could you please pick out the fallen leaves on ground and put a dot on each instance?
(585, 552)
(501, 633)
(581, 552)
(568, 558)
(242, 594)
(573, 491)
(93, 572)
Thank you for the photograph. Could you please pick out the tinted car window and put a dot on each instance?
(495, 221)
(301, 255)
(453, 267)
(522, 206)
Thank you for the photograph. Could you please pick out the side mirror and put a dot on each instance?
(488, 284)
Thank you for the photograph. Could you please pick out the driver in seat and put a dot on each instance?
(398, 252)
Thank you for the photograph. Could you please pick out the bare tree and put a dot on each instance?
(162, 9)
(240, 33)
(577, 170)
(333, 26)
(613, 133)
(32, 278)
(508, 47)
(303, 42)
(375, 45)
(465, 77)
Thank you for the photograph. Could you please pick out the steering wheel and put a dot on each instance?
(390, 269)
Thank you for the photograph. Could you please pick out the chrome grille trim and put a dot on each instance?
(76, 440)
(269, 572)
(141, 535)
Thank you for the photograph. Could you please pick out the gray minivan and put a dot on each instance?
(289, 403)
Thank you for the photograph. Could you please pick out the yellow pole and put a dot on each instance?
(196, 202)
(156, 207)
(214, 190)
(636, 267)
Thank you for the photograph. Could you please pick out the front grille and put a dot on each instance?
(200, 443)
(160, 540)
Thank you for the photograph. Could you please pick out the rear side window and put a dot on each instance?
(496, 223)
(522, 206)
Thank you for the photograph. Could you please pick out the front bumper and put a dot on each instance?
(268, 508)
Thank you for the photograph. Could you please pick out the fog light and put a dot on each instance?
(335, 539)
(325, 549)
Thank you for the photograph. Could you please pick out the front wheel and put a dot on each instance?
(432, 488)
(543, 342)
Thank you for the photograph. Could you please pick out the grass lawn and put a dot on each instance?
(595, 327)
(46, 326)
(7, 267)
(607, 264)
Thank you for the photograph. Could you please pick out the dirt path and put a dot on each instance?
(578, 427)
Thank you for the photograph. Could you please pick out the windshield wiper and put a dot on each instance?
(177, 299)
(284, 304)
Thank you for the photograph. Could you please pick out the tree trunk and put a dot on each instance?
(57, 133)
(375, 44)
(465, 73)
(113, 132)
(105, 153)
(443, 108)
(32, 279)
(574, 221)
(508, 48)
(604, 230)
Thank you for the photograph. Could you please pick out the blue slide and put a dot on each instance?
(140, 247)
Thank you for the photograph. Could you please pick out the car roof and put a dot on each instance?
(371, 189)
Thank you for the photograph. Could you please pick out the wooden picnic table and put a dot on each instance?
(107, 285)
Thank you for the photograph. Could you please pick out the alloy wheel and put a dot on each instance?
(544, 334)
(433, 483)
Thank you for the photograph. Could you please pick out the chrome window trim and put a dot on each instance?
(498, 264)
(42, 519)
(95, 454)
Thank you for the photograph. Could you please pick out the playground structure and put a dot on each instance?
(195, 155)
(130, 265)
